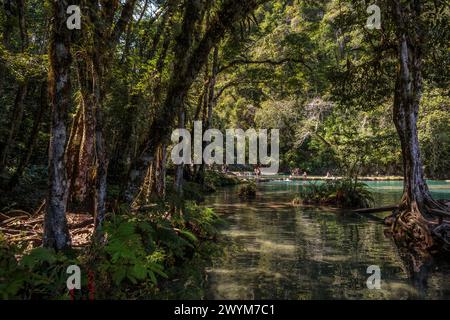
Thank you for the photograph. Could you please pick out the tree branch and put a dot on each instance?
(125, 16)
(265, 61)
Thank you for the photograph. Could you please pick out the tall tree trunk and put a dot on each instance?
(8, 24)
(56, 234)
(208, 106)
(199, 169)
(87, 147)
(22, 24)
(179, 173)
(16, 120)
(406, 110)
(32, 140)
(160, 172)
(212, 85)
(123, 149)
(419, 214)
(80, 152)
(86, 158)
(73, 147)
(102, 169)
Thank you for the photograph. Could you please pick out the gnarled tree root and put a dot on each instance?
(424, 229)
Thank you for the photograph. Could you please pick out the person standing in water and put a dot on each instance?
(257, 172)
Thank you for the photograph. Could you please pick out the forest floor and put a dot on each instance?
(22, 227)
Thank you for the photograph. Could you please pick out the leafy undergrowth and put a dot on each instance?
(40, 274)
(342, 193)
(142, 256)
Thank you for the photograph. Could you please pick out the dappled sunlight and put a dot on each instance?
(277, 248)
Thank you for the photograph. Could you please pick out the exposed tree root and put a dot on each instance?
(426, 228)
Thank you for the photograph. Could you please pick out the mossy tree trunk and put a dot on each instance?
(86, 152)
(56, 234)
(179, 173)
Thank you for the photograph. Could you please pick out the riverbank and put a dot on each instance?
(251, 176)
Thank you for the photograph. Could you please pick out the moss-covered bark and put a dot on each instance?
(56, 234)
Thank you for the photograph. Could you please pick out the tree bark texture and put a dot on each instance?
(56, 234)
(419, 216)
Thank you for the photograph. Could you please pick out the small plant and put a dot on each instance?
(202, 221)
(143, 250)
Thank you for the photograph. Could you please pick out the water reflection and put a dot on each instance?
(313, 253)
(422, 269)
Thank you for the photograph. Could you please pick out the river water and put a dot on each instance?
(277, 251)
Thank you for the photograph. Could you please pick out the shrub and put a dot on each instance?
(215, 179)
(344, 193)
(143, 250)
(130, 252)
(247, 190)
(193, 191)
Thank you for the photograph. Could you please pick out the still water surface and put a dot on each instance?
(281, 252)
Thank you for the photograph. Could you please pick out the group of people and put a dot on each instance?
(297, 172)
(294, 172)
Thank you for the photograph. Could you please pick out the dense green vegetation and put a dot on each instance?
(343, 193)
(322, 127)
(87, 117)
(142, 256)
(325, 126)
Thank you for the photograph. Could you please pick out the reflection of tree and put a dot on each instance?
(418, 266)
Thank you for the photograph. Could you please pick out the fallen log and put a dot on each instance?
(15, 231)
(13, 219)
(374, 210)
(81, 224)
(371, 217)
(28, 238)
